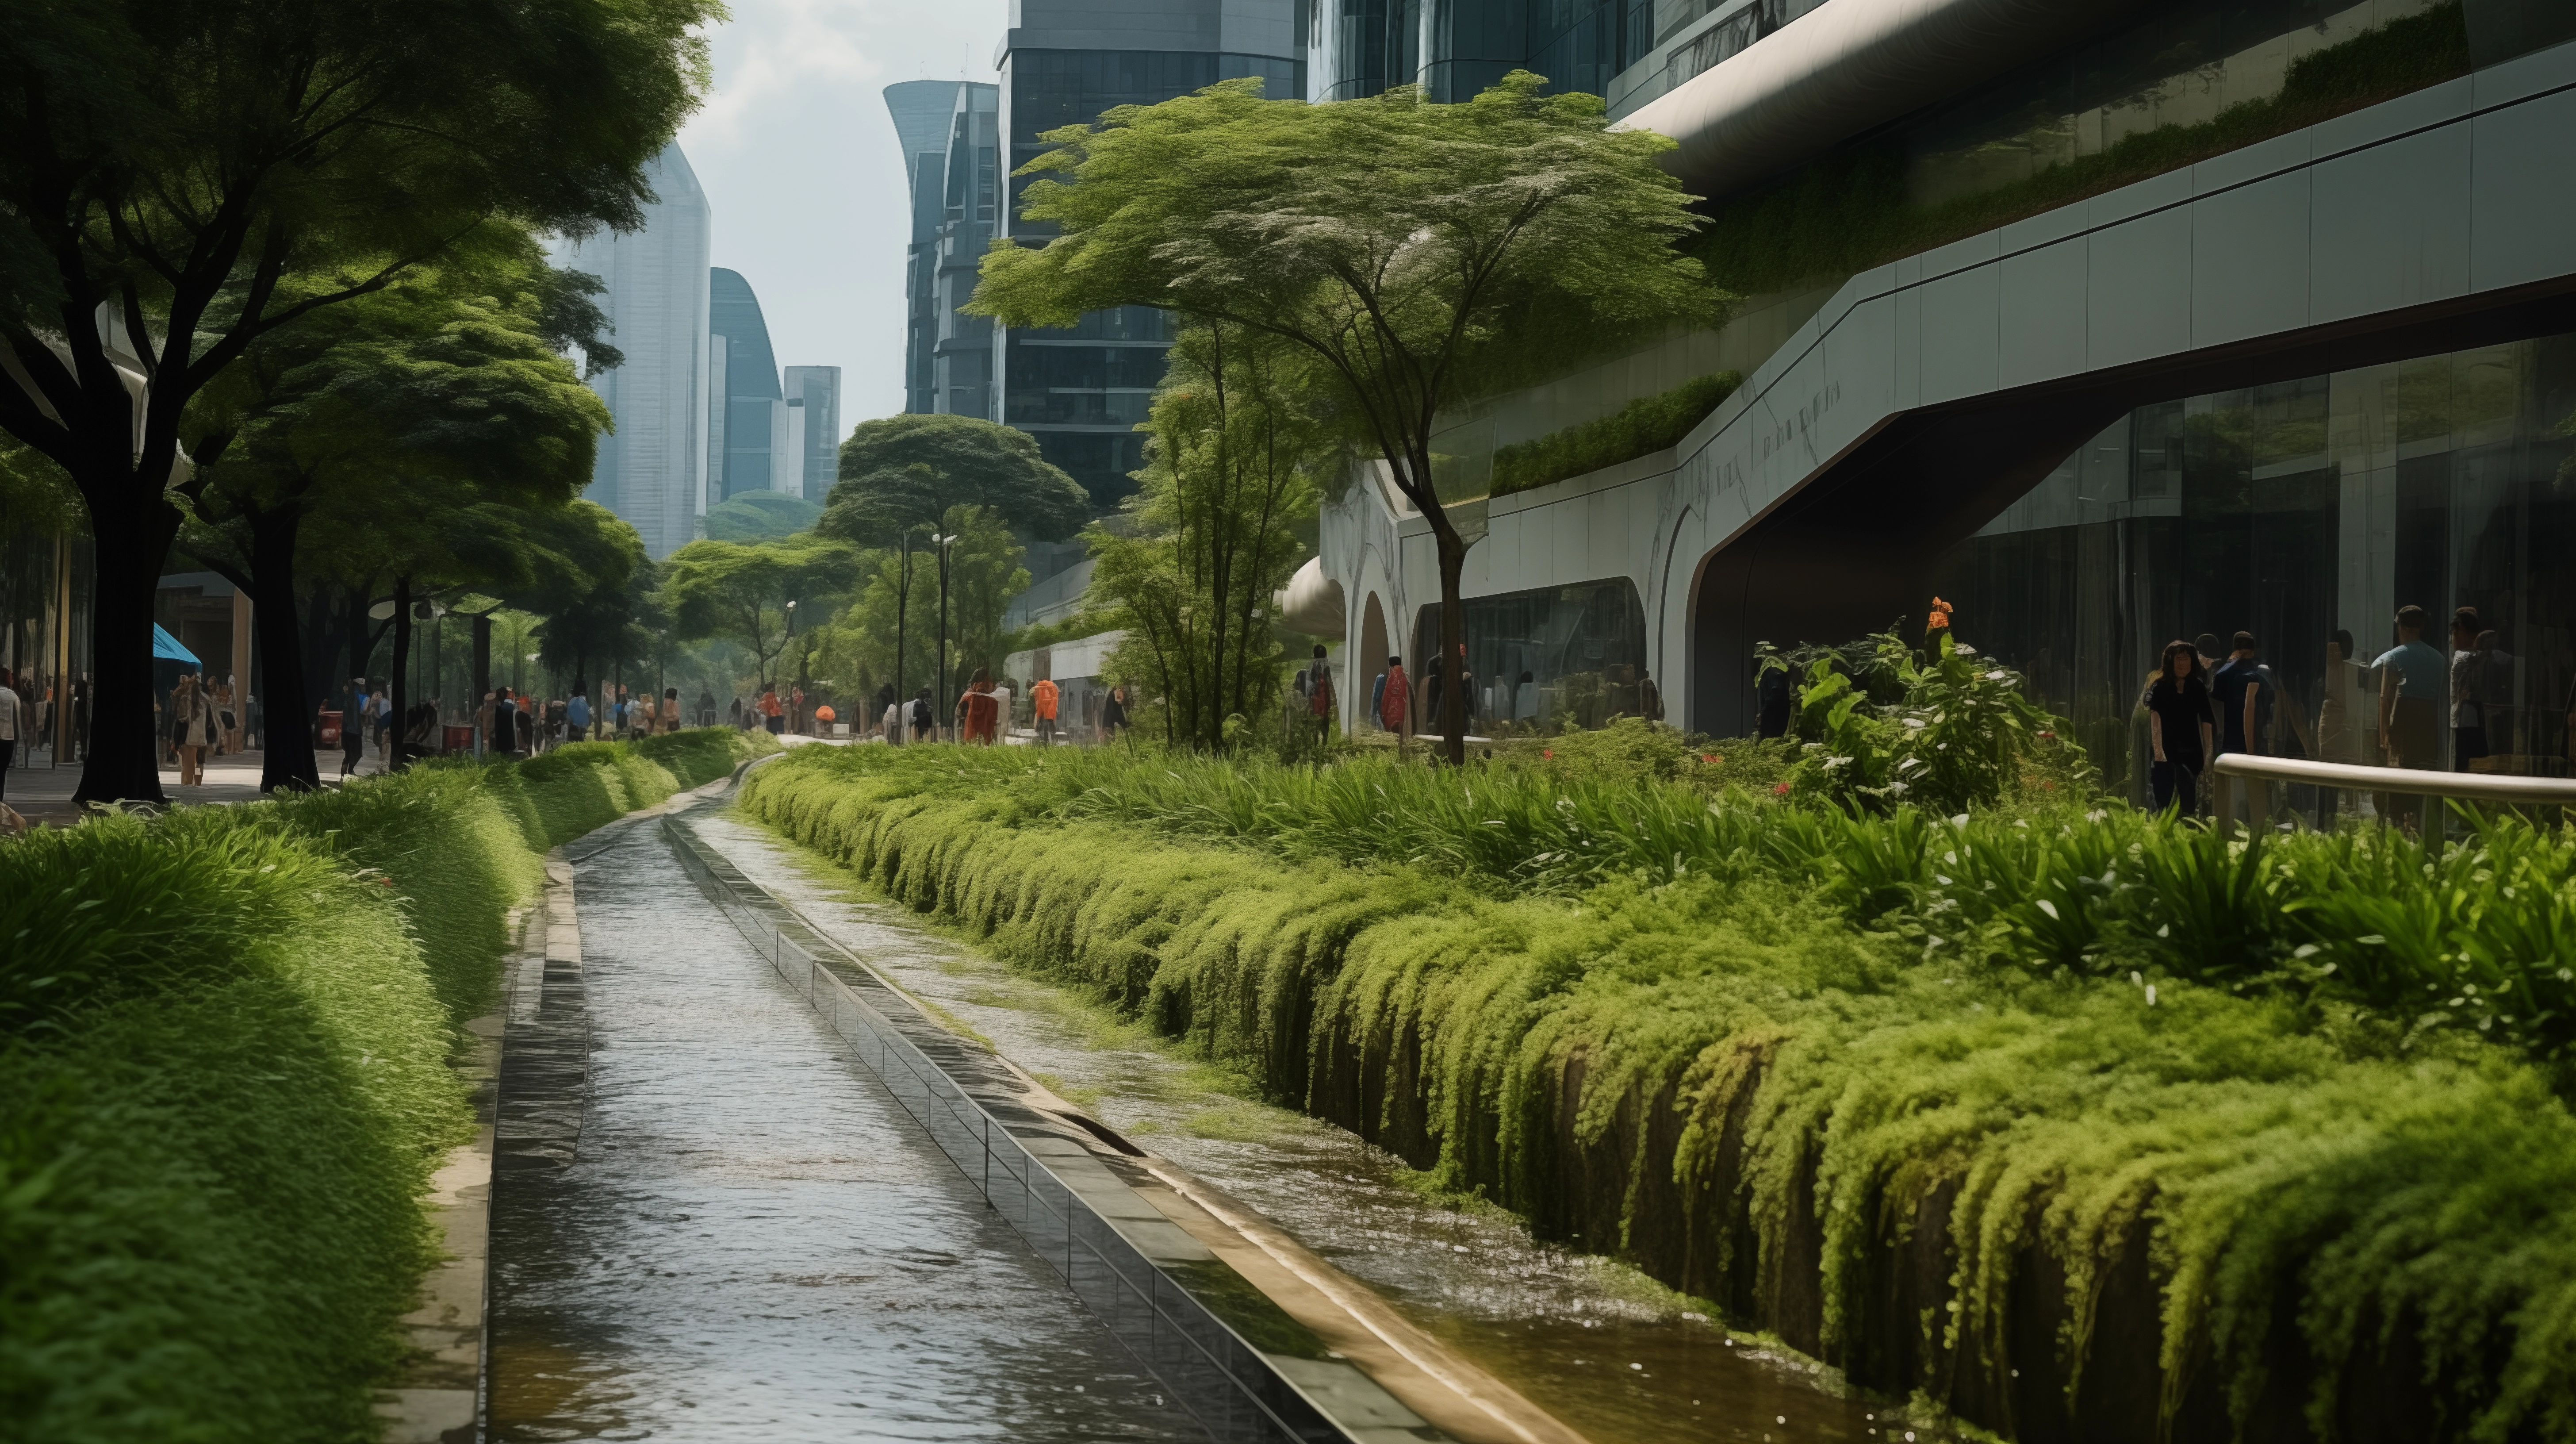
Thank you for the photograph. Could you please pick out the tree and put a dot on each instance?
(434, 400)
(1419, 252)
(1230, 467)
(962, 461)
(893, 617)
(740, 591)
(598, 593)
(170, 166)
(759, 515)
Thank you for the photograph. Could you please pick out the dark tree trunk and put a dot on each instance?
(1453, 641)
(322, 640)
(288, 762)
(124, 762)
(362, 638)
(401, 680)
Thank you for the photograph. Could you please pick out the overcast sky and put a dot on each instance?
(798, 159)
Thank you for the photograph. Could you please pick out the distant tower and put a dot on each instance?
(949, 131)
(652, 470)
(755, 417)
(814, 408)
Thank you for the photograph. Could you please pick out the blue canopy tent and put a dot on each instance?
(166, 648)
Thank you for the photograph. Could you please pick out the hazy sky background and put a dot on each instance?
(798, 158)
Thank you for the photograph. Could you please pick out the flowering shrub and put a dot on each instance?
(1950, 733)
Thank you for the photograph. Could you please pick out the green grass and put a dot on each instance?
(1714, 1035)
(1642, 427)
(224, 1038)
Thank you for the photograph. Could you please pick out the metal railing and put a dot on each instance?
(2234, 769)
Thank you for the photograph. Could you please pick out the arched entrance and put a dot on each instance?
(1370, 660)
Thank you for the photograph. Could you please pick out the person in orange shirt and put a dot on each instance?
(771, 713)
(977, 709)
(1042, 694)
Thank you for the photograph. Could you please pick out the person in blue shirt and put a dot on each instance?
(577, 714)
(2243, 688)
(2411, 689)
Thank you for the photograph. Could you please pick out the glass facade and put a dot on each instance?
(951, 134)
(1461, 47)
(816, 391)
(747, 392)
(1544, 660)
(45, 586)
(1080, 390)
(2292, 511)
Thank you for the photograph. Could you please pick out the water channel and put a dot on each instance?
(754, 1240)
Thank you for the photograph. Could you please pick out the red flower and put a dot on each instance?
(1708, 757)
(1547, 752)
(1780, 791)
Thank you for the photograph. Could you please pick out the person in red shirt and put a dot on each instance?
(1395, 704)
(1043, 694)
(771, 713)
(977, 710)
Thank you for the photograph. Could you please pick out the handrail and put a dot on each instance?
(2415, 781)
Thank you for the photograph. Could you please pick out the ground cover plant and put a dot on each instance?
(224, 1038)
(2073, 1121)
(1642, 427)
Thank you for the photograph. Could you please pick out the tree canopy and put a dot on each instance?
(907, 471)
(1420, 252)
(170, 166)
(740, 591)
(759, 515)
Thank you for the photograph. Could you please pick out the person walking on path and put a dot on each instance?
(1113, 713)
(1395, 701)
(2468, 690)
(2340, 720)
(2178, 728)
(353, 727)
(977, 710)
(1321, 701)
(194, 727)
(773, 715)
(228, 718)
(1043, 698)
(2411, 680)
(10, 711)
(921, 715)
(706, 708)
(2242, 689)
(577, 715)
(670, 709)
(1002, 708)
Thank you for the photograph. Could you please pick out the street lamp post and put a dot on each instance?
(948, 717)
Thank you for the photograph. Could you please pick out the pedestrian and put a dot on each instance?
(11, 709)
(526, 730)
(1321, 702)
(891, 722)
(2241, 691)
(921, 715)
(1043, 699)
(380, 721)
(733, 714)
(2178, 728)
(796, 710)
(706, 708)
(2468, 690)
(1113, 713)
(977, 710)
(353, 727)
(2340, 720)
(1002, 717)
(229, 714)
(577, 715)
(2410, 710)
(772, 712)
(670, 709)
(504, 732)
(193, 728)
(1377, 701)
(1395, 701)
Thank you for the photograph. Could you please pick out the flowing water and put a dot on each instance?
(1602, 1348)
(754, 1240)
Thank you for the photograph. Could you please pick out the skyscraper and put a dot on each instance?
(949, 131)
(1081, 389)
(652, 470)
(814, 428)
(745, 387)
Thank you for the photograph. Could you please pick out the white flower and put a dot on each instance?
(2151, 995)
(1997, 675)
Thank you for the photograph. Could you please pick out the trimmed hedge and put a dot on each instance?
(1642, 427)
(2041, 1198)
(224, 1082)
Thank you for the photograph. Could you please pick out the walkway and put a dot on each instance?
(754, 1241)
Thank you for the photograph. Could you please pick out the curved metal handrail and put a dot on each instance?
(2479, 786)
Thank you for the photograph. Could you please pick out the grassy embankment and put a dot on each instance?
(2051, 1117)
(224, 1082)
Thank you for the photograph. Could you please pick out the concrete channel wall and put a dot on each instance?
(1130, 1237)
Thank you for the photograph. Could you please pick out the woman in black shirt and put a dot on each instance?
(2178, 726)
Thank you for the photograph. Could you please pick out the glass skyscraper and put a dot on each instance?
(743, 388)
(952, 154)
(806, 465)
(652, 470)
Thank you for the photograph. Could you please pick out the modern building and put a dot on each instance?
(742, 390)
(2199, 332)
(652, 470)
(1455, 49)
(949, 131)
(808, 461)
(1081, 389)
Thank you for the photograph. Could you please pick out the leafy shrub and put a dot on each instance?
(1954, 735)
(1642, 427)
(223, 1084)
(1979, 1061)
